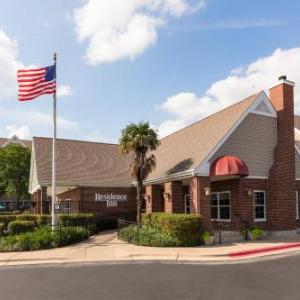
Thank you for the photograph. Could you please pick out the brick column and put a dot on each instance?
(175, 204)
(44, 198)
(154, 198)
(281, 192)
(200, 203)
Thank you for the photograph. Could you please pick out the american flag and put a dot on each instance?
(36, 82)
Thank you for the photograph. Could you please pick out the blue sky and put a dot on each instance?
(169, 62)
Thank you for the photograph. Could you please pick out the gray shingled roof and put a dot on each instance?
(187, 148)
(81, 163)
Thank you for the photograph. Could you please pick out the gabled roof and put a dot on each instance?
(14, 140)
(185, 149)
(81, 163)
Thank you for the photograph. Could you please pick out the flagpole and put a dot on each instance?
(53, 219)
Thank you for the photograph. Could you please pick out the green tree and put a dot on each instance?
(14, 170)
(137, 141)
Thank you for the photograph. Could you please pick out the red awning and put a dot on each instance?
(229, 165)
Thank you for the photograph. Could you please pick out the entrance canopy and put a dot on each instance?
(229, 166)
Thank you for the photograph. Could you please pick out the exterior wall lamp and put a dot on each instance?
(207, 191)
(147, 198)
(167, 196)
(249, 192)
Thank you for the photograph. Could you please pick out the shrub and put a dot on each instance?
(43, 220)
(7, 219)
(15, 212)
(148, 236)
(186, 228)
(27, 217)
(2, 228)
(43, 238)
(17, 227)
(256, 233)
(205, 236)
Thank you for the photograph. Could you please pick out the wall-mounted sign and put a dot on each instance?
(111, 199)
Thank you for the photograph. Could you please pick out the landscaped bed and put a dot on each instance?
(165, 230)
(26, 232)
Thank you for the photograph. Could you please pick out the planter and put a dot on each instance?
(209, 241)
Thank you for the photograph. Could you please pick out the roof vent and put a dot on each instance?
(282, 77)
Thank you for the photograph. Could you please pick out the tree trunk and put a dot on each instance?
(139, 201)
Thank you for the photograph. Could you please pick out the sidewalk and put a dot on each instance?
(105, 247)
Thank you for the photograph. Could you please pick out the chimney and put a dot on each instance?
(281, 183)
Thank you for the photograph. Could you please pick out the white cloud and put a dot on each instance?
(64, 90)
(262, 74)
(125, 29)
(9, 65)
(22, 132)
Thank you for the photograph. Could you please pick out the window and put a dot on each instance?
(220, 206)
(297, 205)
(259, 206)
(66, 206)
(187, 205)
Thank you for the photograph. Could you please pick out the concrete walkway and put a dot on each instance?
(106, 247)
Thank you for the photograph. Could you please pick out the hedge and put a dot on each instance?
(95, 223)
(148, 236)
(7, 219)
(17, 227)
(186, 228)
(27, 217)
(43, 238)
(2, 228)
(76, 219)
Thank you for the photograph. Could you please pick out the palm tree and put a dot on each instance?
(138, 140)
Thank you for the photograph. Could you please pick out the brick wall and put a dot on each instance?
(200, 202)
(242, 204)
(282, 173)
(174, 204)
(154, 198)
(40, 201)
(86, 196)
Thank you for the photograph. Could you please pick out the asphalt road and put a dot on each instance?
(272, 279)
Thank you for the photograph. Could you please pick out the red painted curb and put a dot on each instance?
(264, 250)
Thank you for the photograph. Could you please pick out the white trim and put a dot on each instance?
(297, 149)
(265, 206)
(257, 177)
(263, 99)
(218, 206)
(297, 205)
(180, 175)
(204, 166)
(185, 207)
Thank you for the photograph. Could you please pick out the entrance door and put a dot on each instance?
(187, 207)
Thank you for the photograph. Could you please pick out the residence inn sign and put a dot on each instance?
(111, 199)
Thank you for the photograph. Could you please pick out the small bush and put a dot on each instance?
(17, 227)
(2, 228)
(185, 228)
(148, 236)
(7, 219)
(43, 238)
(256, 233)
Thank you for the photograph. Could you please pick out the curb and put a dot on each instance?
(263, 250)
